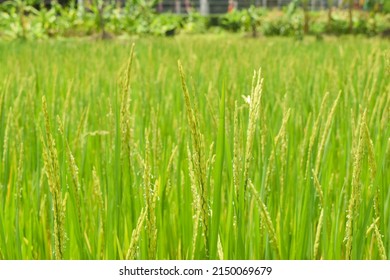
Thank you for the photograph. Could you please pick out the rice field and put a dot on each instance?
(195, 147)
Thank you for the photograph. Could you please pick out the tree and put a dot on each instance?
(330, 8)
(306, 16)
(350, 15)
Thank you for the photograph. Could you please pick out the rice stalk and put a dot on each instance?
(283, 154)
(305, 141)
(150, 201)
(263, 134)
(156, 146)
(381, 247)
(125, 119)
(153, 223)
(267, 219)
(371, 152)
(371, 227)
(74, 170)
(355, 193)
(171, 159)
(271, 160)
(236, 152)
(133, 248)
(386, 112)
(52, 171)
(321, 218)
(313, 135)
(97, 191)
(318, 188)
(196, 207)
(19, 179)
(372, 167)
(79, 139)
(254, 110)
(6, 138)
(198, 159)
(318, 234)
(67, 101)
(210, 163)
(325, 134)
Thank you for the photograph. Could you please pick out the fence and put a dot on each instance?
(221, 6)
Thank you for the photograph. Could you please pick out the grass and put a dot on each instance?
(113, 153)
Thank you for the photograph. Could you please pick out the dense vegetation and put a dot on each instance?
(23, 19)
(101, 158)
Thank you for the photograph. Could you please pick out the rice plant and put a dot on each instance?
(114, 150)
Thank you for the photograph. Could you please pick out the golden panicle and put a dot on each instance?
(126, 84)
(355, 192)
(372, 167)
(318, 234)
(318, 188)
(125, 128)
(371, 227)
(381, 247)
(133, 248)
(198, 157)
(53, 176)
(371, 152)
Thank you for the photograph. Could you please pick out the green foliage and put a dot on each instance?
(283, 25)
(242, 20)
(195, 23)
(386, 6)
(233, 21)
(27, 20)
(165, 24)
